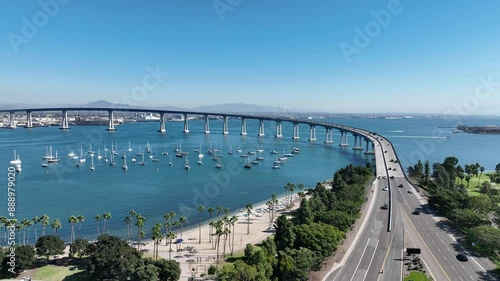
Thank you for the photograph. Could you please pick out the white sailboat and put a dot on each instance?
(129, 147)
(200, 155)
(105, 155)
(53, 159)
(148, 147)
(16, 160)
(47, 155)
(115, 153)
(91, 164)
(71, 154)
(170, 163)
(187, 166)
(112, 163)
(99, 157)
(247, 164)
(82, 159)
(125, 167)
(91, 152)
(230, 152)
(140, 151)
(142, 163)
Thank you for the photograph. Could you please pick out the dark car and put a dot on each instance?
(384, 207)
(416, 212)
(462, 257)
(400, 185)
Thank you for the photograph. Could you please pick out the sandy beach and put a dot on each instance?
(198, 260)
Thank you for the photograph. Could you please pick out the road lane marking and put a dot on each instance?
(371, 260)
(359, 262)
(423, 242)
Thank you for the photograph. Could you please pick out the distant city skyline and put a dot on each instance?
(335, 56)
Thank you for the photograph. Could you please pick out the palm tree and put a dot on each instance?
(128, 220)
(35, 221)
(481, 169)
(249, 208)
(140, 220)
(182, 221)
(170, 237)
(226, 231)
(168, 222)
(218, 231)
(25, 225)
(132, 214)
(18, 229)
(210, 211)
(106, 217)
(56, 224)
(233, 221)
(200, 210)
(72, 220)
(156, 236)
(81, 219)
(3, 221)
(274, 200)
(142, 234)
(45, 221)
(97, 219)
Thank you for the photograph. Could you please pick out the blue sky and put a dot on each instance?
(428, 57)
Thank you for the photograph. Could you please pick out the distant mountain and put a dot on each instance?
(106, 104)
(241, 107)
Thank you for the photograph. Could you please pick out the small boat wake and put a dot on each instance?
(397, 131)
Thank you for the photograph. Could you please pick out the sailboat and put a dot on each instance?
(140, 151)
(125, 167)
(45, 164)
(142, 163)
(115, 153)
(99, 157)
(179, 153)
(230, 152)
(187, 166)
(219, 164)
(148, 147)
(105, 155)
(170, 163)
(91, 152)
(52, 159)
(91, 164)
(112, 163)
(71, 154)
(16, 160)
(47, 155)
(82, 159)
(200, 155)
(247, 164)
(129, 147)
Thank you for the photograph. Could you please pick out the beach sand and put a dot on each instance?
(198, 261)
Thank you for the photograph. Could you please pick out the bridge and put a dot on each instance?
(359, 135)
(377, 251)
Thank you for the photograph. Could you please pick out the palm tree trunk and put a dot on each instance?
(225, 242)
(232, 249)
(79, 229)
(36, 234)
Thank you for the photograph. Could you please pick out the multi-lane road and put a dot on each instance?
(377, 253)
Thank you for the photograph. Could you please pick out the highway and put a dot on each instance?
(377, 253)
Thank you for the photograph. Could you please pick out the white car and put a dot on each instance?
(385, 188)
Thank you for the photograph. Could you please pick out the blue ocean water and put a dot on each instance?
(62, 190)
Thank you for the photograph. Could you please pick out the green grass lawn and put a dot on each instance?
(417, 276)
(473, 189)
(60, 273)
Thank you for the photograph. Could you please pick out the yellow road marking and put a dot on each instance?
(427, 247)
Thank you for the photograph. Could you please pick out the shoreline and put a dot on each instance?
(198, 257)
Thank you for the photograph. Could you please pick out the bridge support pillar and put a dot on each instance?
(11, 120)
(312, 133)
(328, 135)
(343, 139)
(29, 120)
(64, 123)
(186, 123)
(261, 128)
(368, 151)
(356, 145)
(207, 125)
(162, 123)
(279, 134)
(225, 128)
(243, 127)
(111, 125)
(296, 135)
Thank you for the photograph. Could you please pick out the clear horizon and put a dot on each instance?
(361, 56)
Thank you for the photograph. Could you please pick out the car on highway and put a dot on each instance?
(416, 212)
(400, 185)
(385, 188)
(410, 191)
(384, 207)
(391, 177)
(462, 257)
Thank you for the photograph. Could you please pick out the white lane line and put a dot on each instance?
(359, 262)
(371, 260)
(452, 238)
